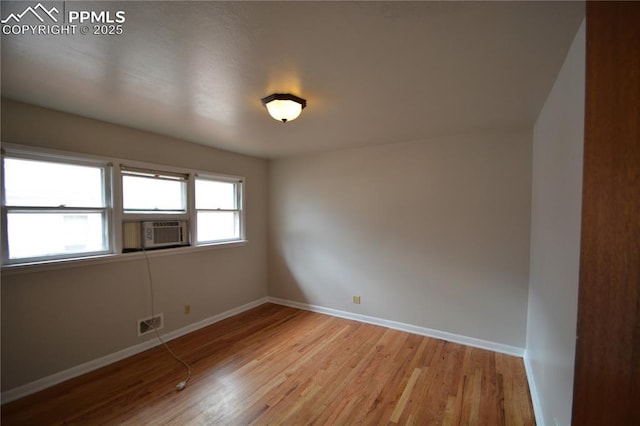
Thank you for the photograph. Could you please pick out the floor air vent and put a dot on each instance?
(147, 325)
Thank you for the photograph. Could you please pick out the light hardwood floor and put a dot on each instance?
(279, 365)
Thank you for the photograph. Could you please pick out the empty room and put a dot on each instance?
(320, 213)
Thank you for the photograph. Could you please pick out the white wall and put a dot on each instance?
(555, 240)
(431, 233)
(57, 319)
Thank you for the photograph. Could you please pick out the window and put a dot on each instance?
(148, 191)
(218, 209)
(54, 209)
(58, 205)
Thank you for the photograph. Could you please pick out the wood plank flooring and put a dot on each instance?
(283, 366)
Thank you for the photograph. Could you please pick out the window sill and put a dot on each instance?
(110, 258)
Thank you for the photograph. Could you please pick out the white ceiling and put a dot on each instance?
(372, 72)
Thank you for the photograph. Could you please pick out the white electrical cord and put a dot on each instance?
(183, 383)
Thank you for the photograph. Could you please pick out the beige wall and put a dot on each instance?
(555, 239)
(53, 320)
(431, 233)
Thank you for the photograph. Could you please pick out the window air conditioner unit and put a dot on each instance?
(163, 233)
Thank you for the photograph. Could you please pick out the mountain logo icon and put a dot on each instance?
(38, 11)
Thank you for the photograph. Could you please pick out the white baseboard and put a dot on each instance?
(535, 400)
(423, 331)
(54, 379)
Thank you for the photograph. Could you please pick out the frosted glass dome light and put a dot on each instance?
(283, 106)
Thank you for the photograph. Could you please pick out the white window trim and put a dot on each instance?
(20, 152)
(51, 265)
(115, 214)
(239, 182)
(153, 215)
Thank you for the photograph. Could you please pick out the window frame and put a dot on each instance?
(140, 215)
(239, 203)
(106, 210)
(115, 215)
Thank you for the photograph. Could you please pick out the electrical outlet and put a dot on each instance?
(187, 309)
(356, 300)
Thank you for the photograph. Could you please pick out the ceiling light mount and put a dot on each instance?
(284, 106)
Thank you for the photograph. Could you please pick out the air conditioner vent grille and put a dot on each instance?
(164, 233)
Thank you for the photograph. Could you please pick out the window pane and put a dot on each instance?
(153, 194)
(215, 195)
(45, 184)
(214, 226)
(48, 234)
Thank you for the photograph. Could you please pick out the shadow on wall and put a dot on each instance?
(431, 233)
(281, 275)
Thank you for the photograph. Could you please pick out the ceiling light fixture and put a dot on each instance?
(283, 106)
